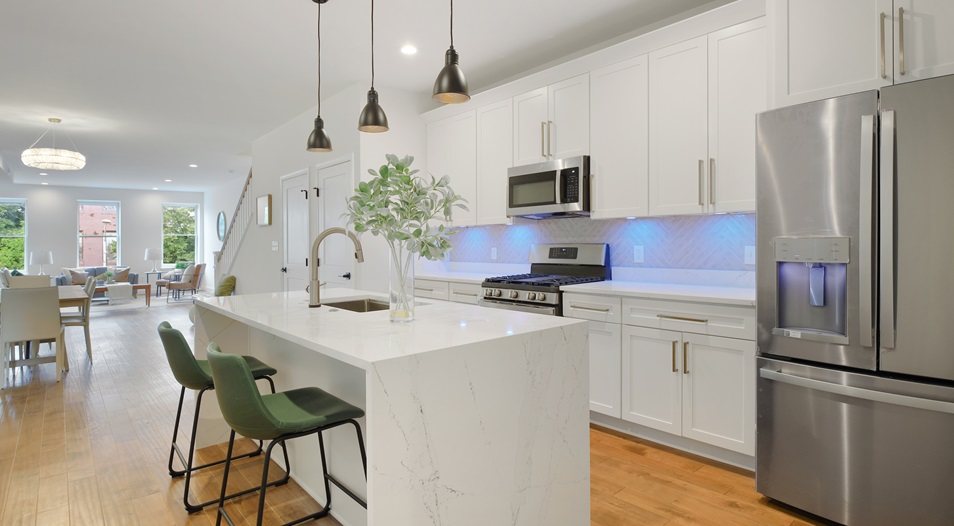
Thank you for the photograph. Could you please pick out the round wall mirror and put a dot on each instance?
(221, 226)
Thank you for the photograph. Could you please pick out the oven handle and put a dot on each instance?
(519, 307)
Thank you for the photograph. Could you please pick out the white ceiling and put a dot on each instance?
(147, 88)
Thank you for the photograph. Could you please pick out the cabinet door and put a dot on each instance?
(494, 157)
(825, 49)
(604, 368)
(652, 378)
(738, 90)
(719, 392)
(620, 139)
(927, 47)
(677, 128)
(452, 151)
(529, 127)
(568, 129)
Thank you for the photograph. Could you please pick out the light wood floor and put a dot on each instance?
(92, 450)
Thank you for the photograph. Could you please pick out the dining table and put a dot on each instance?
(72, 296)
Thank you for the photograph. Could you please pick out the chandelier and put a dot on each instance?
(52, 158)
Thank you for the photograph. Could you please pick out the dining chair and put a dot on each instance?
(31, 315)
(29, 282)
(81, 319)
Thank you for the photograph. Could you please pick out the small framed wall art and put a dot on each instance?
(264, 209)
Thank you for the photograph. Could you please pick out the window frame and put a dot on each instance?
(195, 235)
(26, 249)
(80, 237)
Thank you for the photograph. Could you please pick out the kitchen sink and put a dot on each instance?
(362, 305)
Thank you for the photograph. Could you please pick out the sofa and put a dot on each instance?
(64, 278)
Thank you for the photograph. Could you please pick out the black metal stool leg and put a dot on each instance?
(225, 482)
(175, 432)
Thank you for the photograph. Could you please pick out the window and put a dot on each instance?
(12, 234)
(178, 233)
(98, 233)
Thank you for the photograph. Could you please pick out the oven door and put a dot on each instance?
(548, 310)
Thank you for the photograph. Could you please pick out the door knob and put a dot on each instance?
(284, 269)
(346, 275)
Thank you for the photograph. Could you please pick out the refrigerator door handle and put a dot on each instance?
(858, 392)
(887, 230)
(865, 303)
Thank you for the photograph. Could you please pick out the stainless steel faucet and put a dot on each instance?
(314, 298)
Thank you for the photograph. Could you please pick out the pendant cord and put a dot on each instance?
(319, 59)
(372, 44)
(42, 136)
(452, 24)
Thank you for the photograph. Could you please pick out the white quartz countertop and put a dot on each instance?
(361, 339)
(474, 278)
(668, 291)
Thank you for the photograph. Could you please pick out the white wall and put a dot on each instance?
(282, 152)
(52, 221)
(220, 198)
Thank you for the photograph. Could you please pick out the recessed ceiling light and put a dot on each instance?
(193, 166)
(42, 173)
(168, 180)
(154, 188)
(408, 49)
(44, 183)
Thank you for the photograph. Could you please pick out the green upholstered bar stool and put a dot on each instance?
(278, 417)
(195, 374)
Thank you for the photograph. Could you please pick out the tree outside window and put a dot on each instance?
(13, 234)
(99, 240)
(178, 233)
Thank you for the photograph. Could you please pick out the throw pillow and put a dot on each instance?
(121, 275)
(16, 272)
(187, 274)
(78, 277)
(5, 277)
(226, 286)
(168, 275)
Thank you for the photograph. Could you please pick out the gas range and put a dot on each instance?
(551, 267)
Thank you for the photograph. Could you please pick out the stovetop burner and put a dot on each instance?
(550, 280)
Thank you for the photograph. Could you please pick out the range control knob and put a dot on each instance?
(514, 294)
(531, 296)
(488, 292)
(541, 296)
(496, 293)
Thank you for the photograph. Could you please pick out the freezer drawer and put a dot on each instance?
(855, 448)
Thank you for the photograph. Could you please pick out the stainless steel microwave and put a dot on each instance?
(559, 188)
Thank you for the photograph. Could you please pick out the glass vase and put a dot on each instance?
(401, 283)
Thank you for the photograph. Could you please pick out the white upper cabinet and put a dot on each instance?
(738, 90)
(452, 151)
(552, 122)
(923, 39)
(494, 157)
(678, 131)
(619, 135)
(825, 49)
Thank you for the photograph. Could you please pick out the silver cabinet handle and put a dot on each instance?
(884, 75)
(865, 317)
(674, 369)
(685, 361)
(888, 282)
(543, 139)
(711, 180)
(591, 309)
(858, 392)
(470, 294)
(901, 36)
(549, 138)
(680, 318)
(702, 175)
(423, 289)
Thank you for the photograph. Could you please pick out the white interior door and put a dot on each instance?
(335, 185)
(294, 188)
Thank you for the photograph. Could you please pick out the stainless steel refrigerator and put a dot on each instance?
(855, 295)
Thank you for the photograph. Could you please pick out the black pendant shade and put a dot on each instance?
(373, 119)
(451, 86)
(319, 141)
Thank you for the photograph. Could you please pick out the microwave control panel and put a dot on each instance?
(570, 193)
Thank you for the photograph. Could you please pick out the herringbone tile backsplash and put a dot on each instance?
(712, 242)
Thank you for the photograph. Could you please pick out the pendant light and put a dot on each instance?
(372, 119)
(53, 158)
(319, 141)
(451, 86)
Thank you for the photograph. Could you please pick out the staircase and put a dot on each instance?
(243, 216)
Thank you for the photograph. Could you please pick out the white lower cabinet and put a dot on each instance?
(701, 387)
(605, 391)
(431, 288)
(464, 292)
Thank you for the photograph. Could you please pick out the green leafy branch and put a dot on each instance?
(400, 205)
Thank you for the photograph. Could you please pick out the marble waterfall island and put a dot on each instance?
(474, 416)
